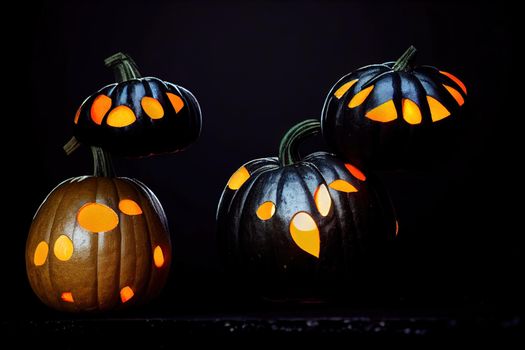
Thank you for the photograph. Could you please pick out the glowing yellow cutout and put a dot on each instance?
(176, 101)
(385, 112)
(355, 172)
(126, 293)
(322, 200)
(121, 116)
(344, 88)
(67, 297)
(411, 112)
(265, 210)
(96, 217)
(129, 207)
(455, 93)
(437, 110)
(41, 253)
(342, 186)
(456, 80)
(158, 256)
(152, 107)
(360, 97)
(305, 233)
(238, 178)
(99, 108)
(77, 116)
(63, 248)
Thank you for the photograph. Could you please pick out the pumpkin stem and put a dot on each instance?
(123, 67)
(289, 147)
(405, 61)
(102, 165)
(71, 146)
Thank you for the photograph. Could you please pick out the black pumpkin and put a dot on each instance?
(138, 116)
(301, 221)
(379, 114)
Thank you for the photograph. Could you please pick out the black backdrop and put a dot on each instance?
(257, 68)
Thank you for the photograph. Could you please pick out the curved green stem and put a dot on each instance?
(123, 67)
(102, 165)
(405, 61)
(289, 147)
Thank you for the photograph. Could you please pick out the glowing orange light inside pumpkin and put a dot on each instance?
(385, 112)
(67, 297)
(176, 101)
(158, 256)
(238, 178)
(96, 217)
(437, 110)
(63, 248)
(99, 108)
(342, 186)
(41, 252)
(360, 97)
(455, 93)
(265, 210)
(305, 233)
(456, 80)
(355, 172)
(344, 88)
(322, 200)
(129, 207)
(126, 293)
(411, 112)
(121, 116)
(397, 228)
(77, 116)
(152, 107)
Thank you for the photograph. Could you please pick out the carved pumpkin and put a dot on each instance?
(98, 243)
(137, 116)
(380, 113)
(301, 220)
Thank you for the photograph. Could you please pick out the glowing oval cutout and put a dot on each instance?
(305, 233)
(96, 217)
(77, 116)
(99, 108)
(126, 293)
(67, 297)
(63, 248)
(121, 116)
(355, 172)
(455, 93)
(238, 178)
(342, 186)
(455, 80)
(152, 107)
(437, 110)
(41, 251)
(385, 112)
(322, 200)
(344, 88)
(176, 101)
(360, 97)
(265, 210)
(411, 112)
(129, 207)
(397, 228)
(158, 256)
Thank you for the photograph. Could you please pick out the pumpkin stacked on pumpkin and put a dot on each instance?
(102, 242)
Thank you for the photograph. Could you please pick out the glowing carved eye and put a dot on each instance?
(342, 186)
(99, 108)
(77, 116)
(63, 248)
(385, 112)
(152, 107)
(344, 88)
(129, 207)
(305, 233)
(41, 252)
(126, 293)
(411, 112)
(322, 200)
(121, 116)
(355, 172)
(456, 80)
(96, 217)
(176, 101)
(158, 257)
(360, 97)
(455, 93)
(238, 178)
(437, 110)
(265, 210)
(67, 297)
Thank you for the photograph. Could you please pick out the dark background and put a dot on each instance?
(257, 68)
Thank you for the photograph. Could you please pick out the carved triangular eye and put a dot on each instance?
(437, 110)
(305, 233)
(385, 112)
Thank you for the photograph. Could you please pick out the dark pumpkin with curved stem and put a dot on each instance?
(381, 113)
(137, 116)
(98, 243)
(301, 220)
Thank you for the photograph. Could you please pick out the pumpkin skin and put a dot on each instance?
(401, 111)
(352, 230)
(138, 116)
(90, 271)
